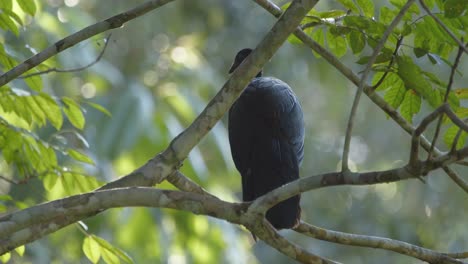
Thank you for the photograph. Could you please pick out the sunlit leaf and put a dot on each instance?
(73, 112)
(80, 156)
(49, 181)
(20, 250)
(50, 107)
(8, 24)
(367, 6)
(5, 257)
(99, 107)
(91, 249)
(28, 6)
(349, 4)
(34, 82)
(113, 250)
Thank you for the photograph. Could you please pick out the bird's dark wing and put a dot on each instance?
(266, 132)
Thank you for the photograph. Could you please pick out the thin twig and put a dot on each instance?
(9, 180)
(184, 183)
(390, 64)
(98, 58)
(443, 26)
(457, 179)
(446, 96)
(362, 82)
(401, 247)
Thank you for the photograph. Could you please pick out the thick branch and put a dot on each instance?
(30, 224)
(70, 41)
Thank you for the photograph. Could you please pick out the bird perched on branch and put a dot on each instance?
(266, 134)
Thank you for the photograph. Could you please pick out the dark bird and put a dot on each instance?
(266, 134)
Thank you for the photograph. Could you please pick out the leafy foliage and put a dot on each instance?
(354, 28)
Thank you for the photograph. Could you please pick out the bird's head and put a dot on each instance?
(240, 57)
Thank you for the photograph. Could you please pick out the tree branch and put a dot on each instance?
(30, 224)
(401, 247)
(70, 41)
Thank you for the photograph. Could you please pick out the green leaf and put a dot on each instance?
(5, 197)
(73, 112)
(28, 6)
(34, 82)
(12, 15)
(20, 250)
(449, 137)
(349, 4)
(395, 95)
(319, 36)
(112, 249)
(6, 4)
(358, 22)
(454, 8)
(51, 109)
(332, 13)
(337, 44)
(5, 257)
(367, 6)
(461, 93)
(49, 181)
(35, 109)
(80, 156)
(100, 108)
(8, 24)
(91, 249)
(357, 41)
(381, 58)
(387, 15)
(67, 180)
(413, 78)
(411, 105)
(462, 112)
(418, 52)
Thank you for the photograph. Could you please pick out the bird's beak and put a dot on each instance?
(234, 65)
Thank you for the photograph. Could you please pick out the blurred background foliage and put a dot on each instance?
(157, 73)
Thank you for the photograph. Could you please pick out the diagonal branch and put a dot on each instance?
(70, 41)
(401, 247)
(158, 168)
(362, 82)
